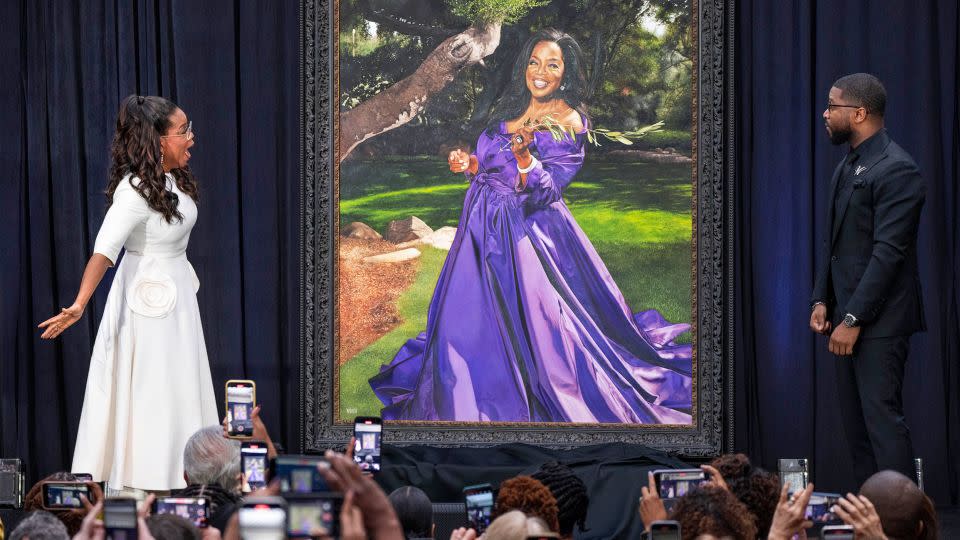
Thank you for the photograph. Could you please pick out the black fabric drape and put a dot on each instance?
(232, 66)
(788, 54)
(612, 473)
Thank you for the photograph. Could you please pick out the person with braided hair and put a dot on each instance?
(149, 387)
(570, 493)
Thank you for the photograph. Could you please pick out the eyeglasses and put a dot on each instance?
(188, 133)
(834, 106)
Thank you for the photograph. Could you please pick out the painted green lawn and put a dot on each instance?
(636, 214)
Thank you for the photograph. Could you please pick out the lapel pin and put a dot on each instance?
(860, 169)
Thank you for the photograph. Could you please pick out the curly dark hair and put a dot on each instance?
(531, 497)
(732, 466)
(136, 150)
(758, 489)
(715, 511)
(570, 493)
(516, 97)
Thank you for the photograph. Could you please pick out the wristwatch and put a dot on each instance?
(850, 321)
(814, 305)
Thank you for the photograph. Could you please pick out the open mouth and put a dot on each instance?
(539, 84)
(186, 154)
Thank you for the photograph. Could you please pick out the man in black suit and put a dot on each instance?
(867, 295)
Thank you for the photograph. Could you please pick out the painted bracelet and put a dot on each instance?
(528, 168)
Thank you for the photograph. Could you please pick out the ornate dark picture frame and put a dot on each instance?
(712, 431)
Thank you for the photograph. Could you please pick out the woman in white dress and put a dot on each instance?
(149, 385)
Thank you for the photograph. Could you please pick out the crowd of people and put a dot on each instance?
(738, 501)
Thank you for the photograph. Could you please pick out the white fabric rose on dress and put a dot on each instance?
(152, 293)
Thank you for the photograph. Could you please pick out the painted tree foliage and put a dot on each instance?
(436, 67)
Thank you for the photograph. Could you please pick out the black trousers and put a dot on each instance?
(870, 384)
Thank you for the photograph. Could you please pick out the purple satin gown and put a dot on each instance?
(526, 324)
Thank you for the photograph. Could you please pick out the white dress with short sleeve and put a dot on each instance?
(149, 387)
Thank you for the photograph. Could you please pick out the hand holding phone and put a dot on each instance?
(675, 483)
(859, 512)
(254, 465)
(241, 397)
(479, 502)
(652, 507)
(789, 517)
(367, 431)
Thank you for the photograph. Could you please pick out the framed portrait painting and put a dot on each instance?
(515, 222)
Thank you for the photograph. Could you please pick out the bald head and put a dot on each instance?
(899, 503)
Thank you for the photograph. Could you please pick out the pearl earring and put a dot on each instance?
(562, 88)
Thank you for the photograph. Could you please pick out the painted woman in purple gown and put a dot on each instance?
(526, 324)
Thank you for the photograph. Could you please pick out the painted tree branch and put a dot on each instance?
(402, 102)
(393, 22)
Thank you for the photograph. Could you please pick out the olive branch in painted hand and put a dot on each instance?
(559, 131)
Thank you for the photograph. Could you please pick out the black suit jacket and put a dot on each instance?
(870, 267)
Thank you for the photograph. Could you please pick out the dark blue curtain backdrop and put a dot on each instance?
(232, 66)
(788, 54)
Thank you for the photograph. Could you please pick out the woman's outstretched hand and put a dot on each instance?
(54, 326)
(461, 162)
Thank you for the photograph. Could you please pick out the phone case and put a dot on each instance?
(226, 401)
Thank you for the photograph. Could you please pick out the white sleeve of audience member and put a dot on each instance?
(128, 210)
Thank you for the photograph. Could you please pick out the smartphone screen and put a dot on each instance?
(366, 452)
(193, 509)
(253, 465)
(263, 518)
(818, 509)
(673, 484)
(120, 518)
(795, 472)
(64, 494)
(479, 502)
(314, 515)
(299, 474)
(241, 399)
(665, 530)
